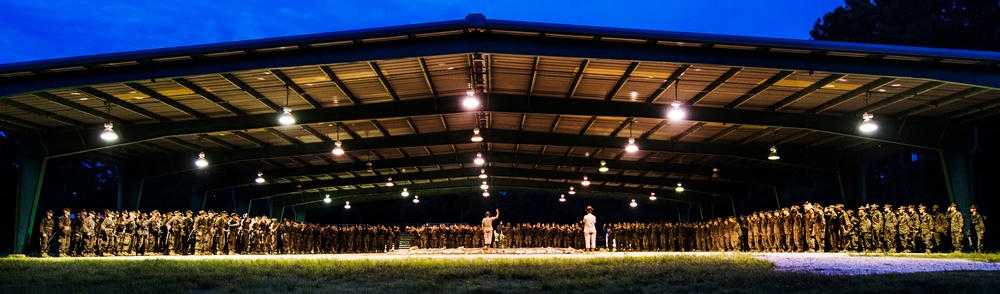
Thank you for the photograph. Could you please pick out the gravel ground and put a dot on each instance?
(820, 263)
(844, 264)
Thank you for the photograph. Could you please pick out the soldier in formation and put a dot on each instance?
(810, 227)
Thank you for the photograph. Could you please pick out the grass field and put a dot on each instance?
(660, 274)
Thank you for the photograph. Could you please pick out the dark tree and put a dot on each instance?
(961, 24)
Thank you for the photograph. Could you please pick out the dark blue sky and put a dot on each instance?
(46, 29)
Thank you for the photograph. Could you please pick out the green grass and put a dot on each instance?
(715, 274)
(985, 257)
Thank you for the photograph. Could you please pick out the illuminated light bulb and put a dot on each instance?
(482, 174)
(484, 186)
(679, 187)
(389, 183)
(715, 173)
(327, 199)
(109, 132)
(631, 147)
(868, 125)
(486, 193)
(604, 167)
(476, 137)
(260, 178)
(201, 162)
(286, 117)
(774, 154)
(470, 101)
(652, 196)
(347, 204)
(633, 204)
(405, 193)
(571, 191)
(338, 150)
(586, 182)
(368, 167)
(479, 159)
(676, 112)
(416, 199)
(562, 198)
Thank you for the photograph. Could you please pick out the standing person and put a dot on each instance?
(45, 228)
(957, 223)
(590, 230)
(978, 228)
(65, 231)
(488, 229)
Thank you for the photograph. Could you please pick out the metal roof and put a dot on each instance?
(557, 100)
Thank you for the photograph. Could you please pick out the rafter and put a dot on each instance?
(277, 73)
(729, 74)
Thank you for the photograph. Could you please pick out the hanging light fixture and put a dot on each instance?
(327, 199)
(476, 137)
(347, 205)
(201, 162)
(416, 199)
(470, 101)
(389, 183)
(338, 149)
(571, 191)
(368, 167)
(484, 186)
(631, 147)
(562, 197)
(405, 193)
(868, 125)
(482, 174)
(486, 193)
(774, 154)
(676, 112)
(715, 173)
(679, 188)
(109, 128)
(586, 182)
(652, 196)
(633, 204)
(604, 167)
(260, 178)
(286, 117)
(479, 159)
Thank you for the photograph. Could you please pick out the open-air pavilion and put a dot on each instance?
(556, 103)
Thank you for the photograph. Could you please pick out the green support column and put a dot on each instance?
(130, 185)
(958, 177)
(29, 188)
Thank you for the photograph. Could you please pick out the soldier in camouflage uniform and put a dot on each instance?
(978, 228)
(890, 220)
(904, 224)
(45, 230)
(878, 228)
(956, 223)
(926, 229)
(940, 228)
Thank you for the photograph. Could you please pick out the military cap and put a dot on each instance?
(888, 206)
(973, 207)
(922, 206)
(189, 211)
(48, 211)
(201, 212)
(874, 205)
(955, 205)
(935, 207)
(211, 211)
